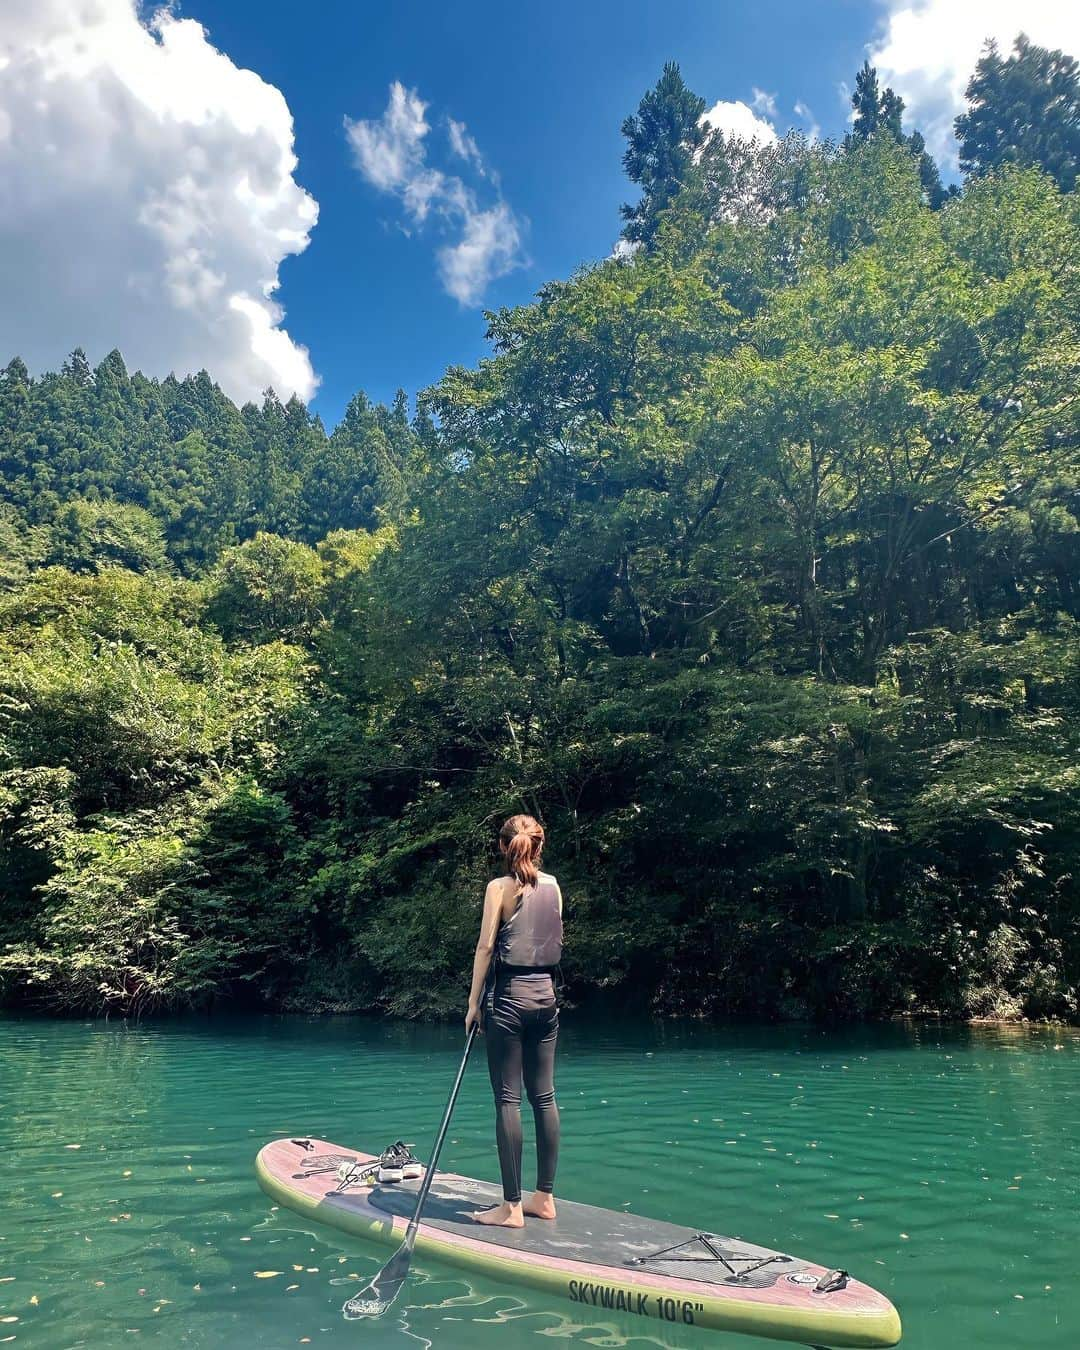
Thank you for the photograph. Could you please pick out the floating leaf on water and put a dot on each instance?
(313, 1270)
(298, 1267)
(73, 1145)
(10, 1318)
(128, 1172)
(197, 1288)
(290, 1287)
(57, 1194)
(34, 1300)
(266, 1274)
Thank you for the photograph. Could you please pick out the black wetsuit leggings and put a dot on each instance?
(521, 1028)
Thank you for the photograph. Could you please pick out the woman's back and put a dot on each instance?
(530, 939)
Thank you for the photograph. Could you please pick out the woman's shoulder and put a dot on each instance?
(547, 878)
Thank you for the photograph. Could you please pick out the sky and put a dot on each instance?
(326, 198)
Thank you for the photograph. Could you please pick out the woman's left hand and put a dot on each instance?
(471, 1016)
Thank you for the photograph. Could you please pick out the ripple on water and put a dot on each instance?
(940, 1165)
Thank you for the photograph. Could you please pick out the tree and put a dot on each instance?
(359, 475)
(267, 589)
(77, 367)
(878, 112)
(140, 864)
(22, 547)
(866, 103)
(90, 535)
(1023, 109)
(935, 193)
(662, 138)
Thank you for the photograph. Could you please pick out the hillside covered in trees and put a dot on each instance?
(749, 561)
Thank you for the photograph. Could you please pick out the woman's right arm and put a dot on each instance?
(489, 928)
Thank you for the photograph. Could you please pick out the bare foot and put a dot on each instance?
(541, 1205)
(502, 1216)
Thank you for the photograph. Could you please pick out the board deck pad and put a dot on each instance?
(586, 1233)
(589, 1255)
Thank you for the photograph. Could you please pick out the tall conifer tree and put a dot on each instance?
(1023, 109)
(662, 137)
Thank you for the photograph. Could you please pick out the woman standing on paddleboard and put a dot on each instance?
(521, 945)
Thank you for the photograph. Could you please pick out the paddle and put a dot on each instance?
(375, 1298)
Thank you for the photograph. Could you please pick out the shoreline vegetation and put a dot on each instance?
(749, 562)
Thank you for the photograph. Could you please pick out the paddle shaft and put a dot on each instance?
(375, 1298)
(433, 1162)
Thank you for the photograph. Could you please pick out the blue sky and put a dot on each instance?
(543, 89)
(324, 199)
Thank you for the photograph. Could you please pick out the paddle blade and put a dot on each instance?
(375, 1298)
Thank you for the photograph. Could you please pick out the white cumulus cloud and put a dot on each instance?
(738, 119)
(391, 154)
(147, 198)
(763, 103)
(927, 52)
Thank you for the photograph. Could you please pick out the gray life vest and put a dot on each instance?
(530, 940)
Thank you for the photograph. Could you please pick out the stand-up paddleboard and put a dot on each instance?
(603, 1258)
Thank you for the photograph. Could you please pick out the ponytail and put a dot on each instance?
(521, 840)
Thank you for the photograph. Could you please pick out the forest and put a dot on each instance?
(748, 561)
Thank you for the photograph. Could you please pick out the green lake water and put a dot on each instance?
(940, 1165)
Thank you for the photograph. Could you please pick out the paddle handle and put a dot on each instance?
(429, 1171)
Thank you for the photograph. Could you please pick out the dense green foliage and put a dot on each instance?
(750, 564)
(111, 467)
